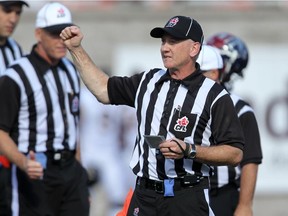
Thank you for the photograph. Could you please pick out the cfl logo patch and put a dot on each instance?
(181, 124)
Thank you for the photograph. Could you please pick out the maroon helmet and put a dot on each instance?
(234, 53)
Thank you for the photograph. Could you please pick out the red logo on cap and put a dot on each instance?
(172, 22)
(61, 13)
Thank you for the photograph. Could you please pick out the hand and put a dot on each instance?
(33, 168)
(72, 37)
(171, 149)
(243, 210)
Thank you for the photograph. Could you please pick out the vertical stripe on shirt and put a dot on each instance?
(39, 102)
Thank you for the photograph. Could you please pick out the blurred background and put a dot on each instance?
(116, 35)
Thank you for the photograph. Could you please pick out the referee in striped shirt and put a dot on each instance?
(10, 13)
(39, 117)
(232, 188)
(193, 115)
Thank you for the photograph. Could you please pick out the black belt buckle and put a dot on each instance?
(57, 156)
(158, 187)
(62, 156)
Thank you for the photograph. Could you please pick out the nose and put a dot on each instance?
(164, 46)
(14, 17)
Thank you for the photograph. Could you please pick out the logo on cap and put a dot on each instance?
(172, 22)
(61, 13)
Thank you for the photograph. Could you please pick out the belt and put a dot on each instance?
(60, 156)
(179, 183)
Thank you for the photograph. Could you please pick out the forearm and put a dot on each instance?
(212, 155)
(219, 155)
(10, 150)
(93, 77)
(248, 184)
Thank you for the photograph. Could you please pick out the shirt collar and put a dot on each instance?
(190, 81)
(40, 63)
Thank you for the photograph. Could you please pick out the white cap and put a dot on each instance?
(209, 58)
(53, 17)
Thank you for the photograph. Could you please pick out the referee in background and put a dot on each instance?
(10, 13)
(39, 117)
(194, 116)
(232, 188)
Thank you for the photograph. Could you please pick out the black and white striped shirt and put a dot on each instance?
(252, 153)
(40, 106)
(196, 110)
(9, 52)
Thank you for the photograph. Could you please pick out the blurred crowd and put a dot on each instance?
(107, 136)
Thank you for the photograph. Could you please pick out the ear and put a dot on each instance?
(217, 74)
(195, 48)
(38, 33)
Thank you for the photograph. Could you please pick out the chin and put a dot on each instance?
(6, 35)
(168, 66)
(60, 55)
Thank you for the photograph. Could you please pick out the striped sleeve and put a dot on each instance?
(226, 127)
(12, 103)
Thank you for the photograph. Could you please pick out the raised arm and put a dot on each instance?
(93, 77)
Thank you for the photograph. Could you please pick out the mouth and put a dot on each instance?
(166, 58)
(10, 29)
(61, 48)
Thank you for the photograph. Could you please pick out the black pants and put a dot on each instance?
(62, 192)
(5, 191)
(224, 201)
(191, 201)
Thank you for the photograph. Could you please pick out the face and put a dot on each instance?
(9, 18)
(212, 74)
(50, 46)
(177, 54)
(209, 74)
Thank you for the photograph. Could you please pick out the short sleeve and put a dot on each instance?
(10, 102)
(122, 90)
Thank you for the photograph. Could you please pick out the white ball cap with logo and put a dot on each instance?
(54, 17)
